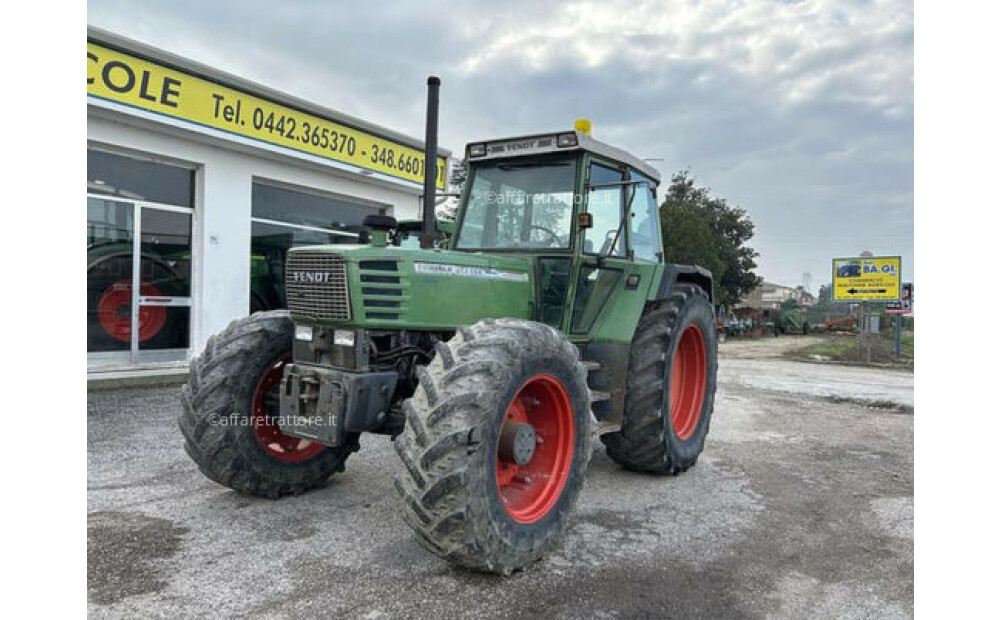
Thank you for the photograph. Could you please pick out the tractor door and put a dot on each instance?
(618, 257)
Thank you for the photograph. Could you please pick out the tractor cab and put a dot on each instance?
(583, 211)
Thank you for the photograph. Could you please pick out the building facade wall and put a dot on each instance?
(221, 226)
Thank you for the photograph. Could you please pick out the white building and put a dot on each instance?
(770, 296)
(198, 182)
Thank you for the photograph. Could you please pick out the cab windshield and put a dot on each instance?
(519, 204)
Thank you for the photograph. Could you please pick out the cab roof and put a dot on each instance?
(555, 142)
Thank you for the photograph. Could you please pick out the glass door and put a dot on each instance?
(110, 245)
(603, 262)
(138, 265)
(163, 301)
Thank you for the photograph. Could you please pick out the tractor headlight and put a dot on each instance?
(343, 337)
(477, 150)
(566, 139)
(304, 333)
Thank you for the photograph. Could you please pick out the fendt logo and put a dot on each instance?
(312, 277)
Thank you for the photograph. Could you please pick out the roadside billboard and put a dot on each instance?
(871, 278)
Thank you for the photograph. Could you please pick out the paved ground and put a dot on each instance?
(757, 364)
(801, 506)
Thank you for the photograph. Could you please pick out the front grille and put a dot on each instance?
(381, 279)
(316, 286)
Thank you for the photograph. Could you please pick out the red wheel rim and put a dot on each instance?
(278, 445)
(687, 382)
(114, 312)
(529, 491)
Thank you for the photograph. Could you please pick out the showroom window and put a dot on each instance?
(284, 218)
(136, 179)
(139, 216)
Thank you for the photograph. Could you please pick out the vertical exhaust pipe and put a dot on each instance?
(430, 163)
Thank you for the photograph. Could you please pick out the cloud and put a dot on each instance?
(801, 112)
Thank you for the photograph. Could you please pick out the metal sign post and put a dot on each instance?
(899, 308)
(899, 335)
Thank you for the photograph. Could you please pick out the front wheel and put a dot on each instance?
(230, 406)
(496, 445)
(671, 386)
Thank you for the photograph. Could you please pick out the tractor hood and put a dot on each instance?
(405, 288)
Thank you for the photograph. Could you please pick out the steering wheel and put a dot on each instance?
(554, 237)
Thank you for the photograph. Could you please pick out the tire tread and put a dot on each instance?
(214, 388)
(440, 483)
(642, 444)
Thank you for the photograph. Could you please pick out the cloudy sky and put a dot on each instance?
(801, 111)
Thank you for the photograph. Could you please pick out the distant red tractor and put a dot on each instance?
(840, 324)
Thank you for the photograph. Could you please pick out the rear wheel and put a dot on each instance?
(109, 304)
(671, 386)
(496, 445)
(114, 312)
(229, 408)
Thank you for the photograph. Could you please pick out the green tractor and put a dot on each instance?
(550, 318)
(794, 321)
(109, 294)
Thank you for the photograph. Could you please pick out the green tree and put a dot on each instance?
(703, 229)
(824, 298)
(825, 303)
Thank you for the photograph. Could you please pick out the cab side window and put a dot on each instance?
(605, 207)
(644, 221)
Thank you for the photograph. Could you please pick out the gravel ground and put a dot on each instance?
(801, 506)
(758, 364)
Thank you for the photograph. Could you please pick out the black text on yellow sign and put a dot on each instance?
(123, 78)
(874, 278)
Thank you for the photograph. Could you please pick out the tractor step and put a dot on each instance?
(590, 365)
(597, 396)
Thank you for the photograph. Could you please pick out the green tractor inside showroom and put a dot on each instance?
(492, 364)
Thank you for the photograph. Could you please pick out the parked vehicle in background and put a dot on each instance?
(738, 327)
(848, 323)
(770, 322)
(109, 295)
(793, 321)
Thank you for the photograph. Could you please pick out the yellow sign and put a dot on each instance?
(876, 278)
(125, 79)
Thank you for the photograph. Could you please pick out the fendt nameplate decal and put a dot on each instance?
(469, 272)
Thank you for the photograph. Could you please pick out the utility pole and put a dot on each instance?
(863, 327)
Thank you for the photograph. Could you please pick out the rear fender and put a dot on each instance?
(692, 274)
